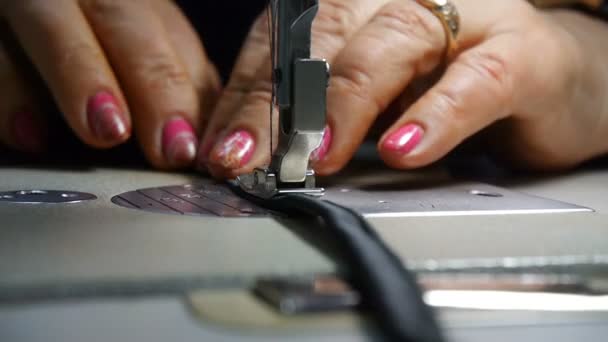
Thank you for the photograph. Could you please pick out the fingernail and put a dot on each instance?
(28, 132)
(404, 140)
(105, 117)
(179, 142)
(234, 151)
(320, 153)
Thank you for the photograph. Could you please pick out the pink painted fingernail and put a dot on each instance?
(106, 119)
(404, 140)
(28, 132)
(320, 153)
(179, 142)
(234, 151)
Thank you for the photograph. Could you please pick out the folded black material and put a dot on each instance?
(386, 286)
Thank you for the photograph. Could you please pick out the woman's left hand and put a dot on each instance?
(541, 79)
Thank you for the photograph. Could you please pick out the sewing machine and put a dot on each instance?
(109, 254)
(299, 93)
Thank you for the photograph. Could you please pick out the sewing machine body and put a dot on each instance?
(127, 255)
(96, 271)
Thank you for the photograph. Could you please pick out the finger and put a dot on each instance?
(187, 44)
(62, 46)
(477, 89)
(21, 125)
(254, 55)
(402, 41)
(155, 80)
(336, 22)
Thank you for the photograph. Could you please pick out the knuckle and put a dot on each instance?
(334, 21)
(449, 106)
(356, 81)
(161, 73)
(494, 72)
(258, 36)
(242, 78)
(79, 55)
(105, 8)
(411, 23)
(487, 65)
(260, 93)
(234, 92)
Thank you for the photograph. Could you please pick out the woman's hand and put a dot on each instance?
(112, 66)
(537, 77)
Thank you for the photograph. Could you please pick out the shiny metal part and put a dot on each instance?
(464, 199)
(568, 288)
(45, 197)
(302, 124)
(565, 273)
(203, 199)
(299, 91)
(293, 296)
(554, 264)
(265, 184)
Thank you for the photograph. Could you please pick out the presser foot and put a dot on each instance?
(265, 184)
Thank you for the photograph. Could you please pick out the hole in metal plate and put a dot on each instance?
(485, 193)
(45, 196)
(212, 199)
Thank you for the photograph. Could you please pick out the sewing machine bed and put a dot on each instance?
(97, 271)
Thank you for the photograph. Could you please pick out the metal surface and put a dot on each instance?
(470, 199)
(302, 125)
(292, 296)
(517, 301)
(200, 200)
(526, 287)
(45, 197)
(99, 245)
(299, 90)
(236, 316)
(264, 184)
(446, 200)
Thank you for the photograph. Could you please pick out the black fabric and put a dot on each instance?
(387, 287)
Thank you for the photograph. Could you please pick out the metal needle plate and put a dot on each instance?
(211, 199)
(447, 200)
(205, 199)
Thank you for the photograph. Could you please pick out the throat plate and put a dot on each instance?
(212, 199)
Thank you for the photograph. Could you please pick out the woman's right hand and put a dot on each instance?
(112, 66)
(535, 79)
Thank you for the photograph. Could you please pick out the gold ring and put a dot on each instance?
(446, 12)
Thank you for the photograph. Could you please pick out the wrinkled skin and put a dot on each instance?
(114, 68)
(538, 78)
